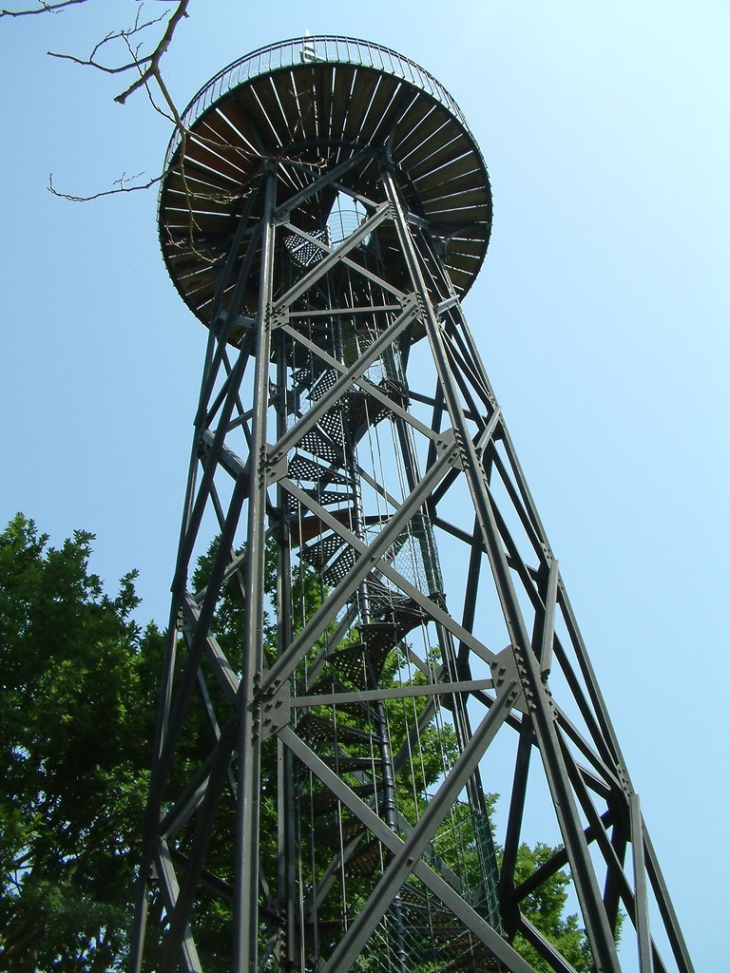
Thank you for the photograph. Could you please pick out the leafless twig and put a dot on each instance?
(148, 65)
(42, 8)
(105, 57)
(119, 186)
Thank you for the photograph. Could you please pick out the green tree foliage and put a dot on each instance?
(545, 909)
(77, 711)
(78, 684)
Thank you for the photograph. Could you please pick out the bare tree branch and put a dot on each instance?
(154, 61)
(147, 65)
(42, 8)
(120, 186)
(124, 34)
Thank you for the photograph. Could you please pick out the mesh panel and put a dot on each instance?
(304, 252)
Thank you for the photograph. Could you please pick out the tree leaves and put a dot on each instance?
(78, 699)
(76, 721)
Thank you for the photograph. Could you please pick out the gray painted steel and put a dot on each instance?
(319, 780)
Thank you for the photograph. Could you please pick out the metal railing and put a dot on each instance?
(324, 48)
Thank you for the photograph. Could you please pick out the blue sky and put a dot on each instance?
(601, 313)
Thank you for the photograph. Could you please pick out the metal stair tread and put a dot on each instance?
(328, 731)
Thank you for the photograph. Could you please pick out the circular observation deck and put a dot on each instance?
(311, 104)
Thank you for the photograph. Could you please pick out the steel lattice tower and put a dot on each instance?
(369, 630)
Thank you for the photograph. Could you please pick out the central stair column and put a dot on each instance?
(383, 742)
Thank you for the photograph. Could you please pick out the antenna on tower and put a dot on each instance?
(308, 51)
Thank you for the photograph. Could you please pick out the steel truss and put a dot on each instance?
(347, 435)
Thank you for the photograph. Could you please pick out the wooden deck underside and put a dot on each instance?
(312, 117)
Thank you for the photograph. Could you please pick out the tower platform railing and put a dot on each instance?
(329, 48)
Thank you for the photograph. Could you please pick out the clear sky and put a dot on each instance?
(601, 312)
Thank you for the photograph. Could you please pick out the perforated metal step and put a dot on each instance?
(301, 468)
(311, 727)
(326, 802)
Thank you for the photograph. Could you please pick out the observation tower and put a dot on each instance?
(369, 633)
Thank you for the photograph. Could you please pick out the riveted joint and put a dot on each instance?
(499, 672)
(275, 711)
(409, 300)
(276, 467)
(512, 696)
